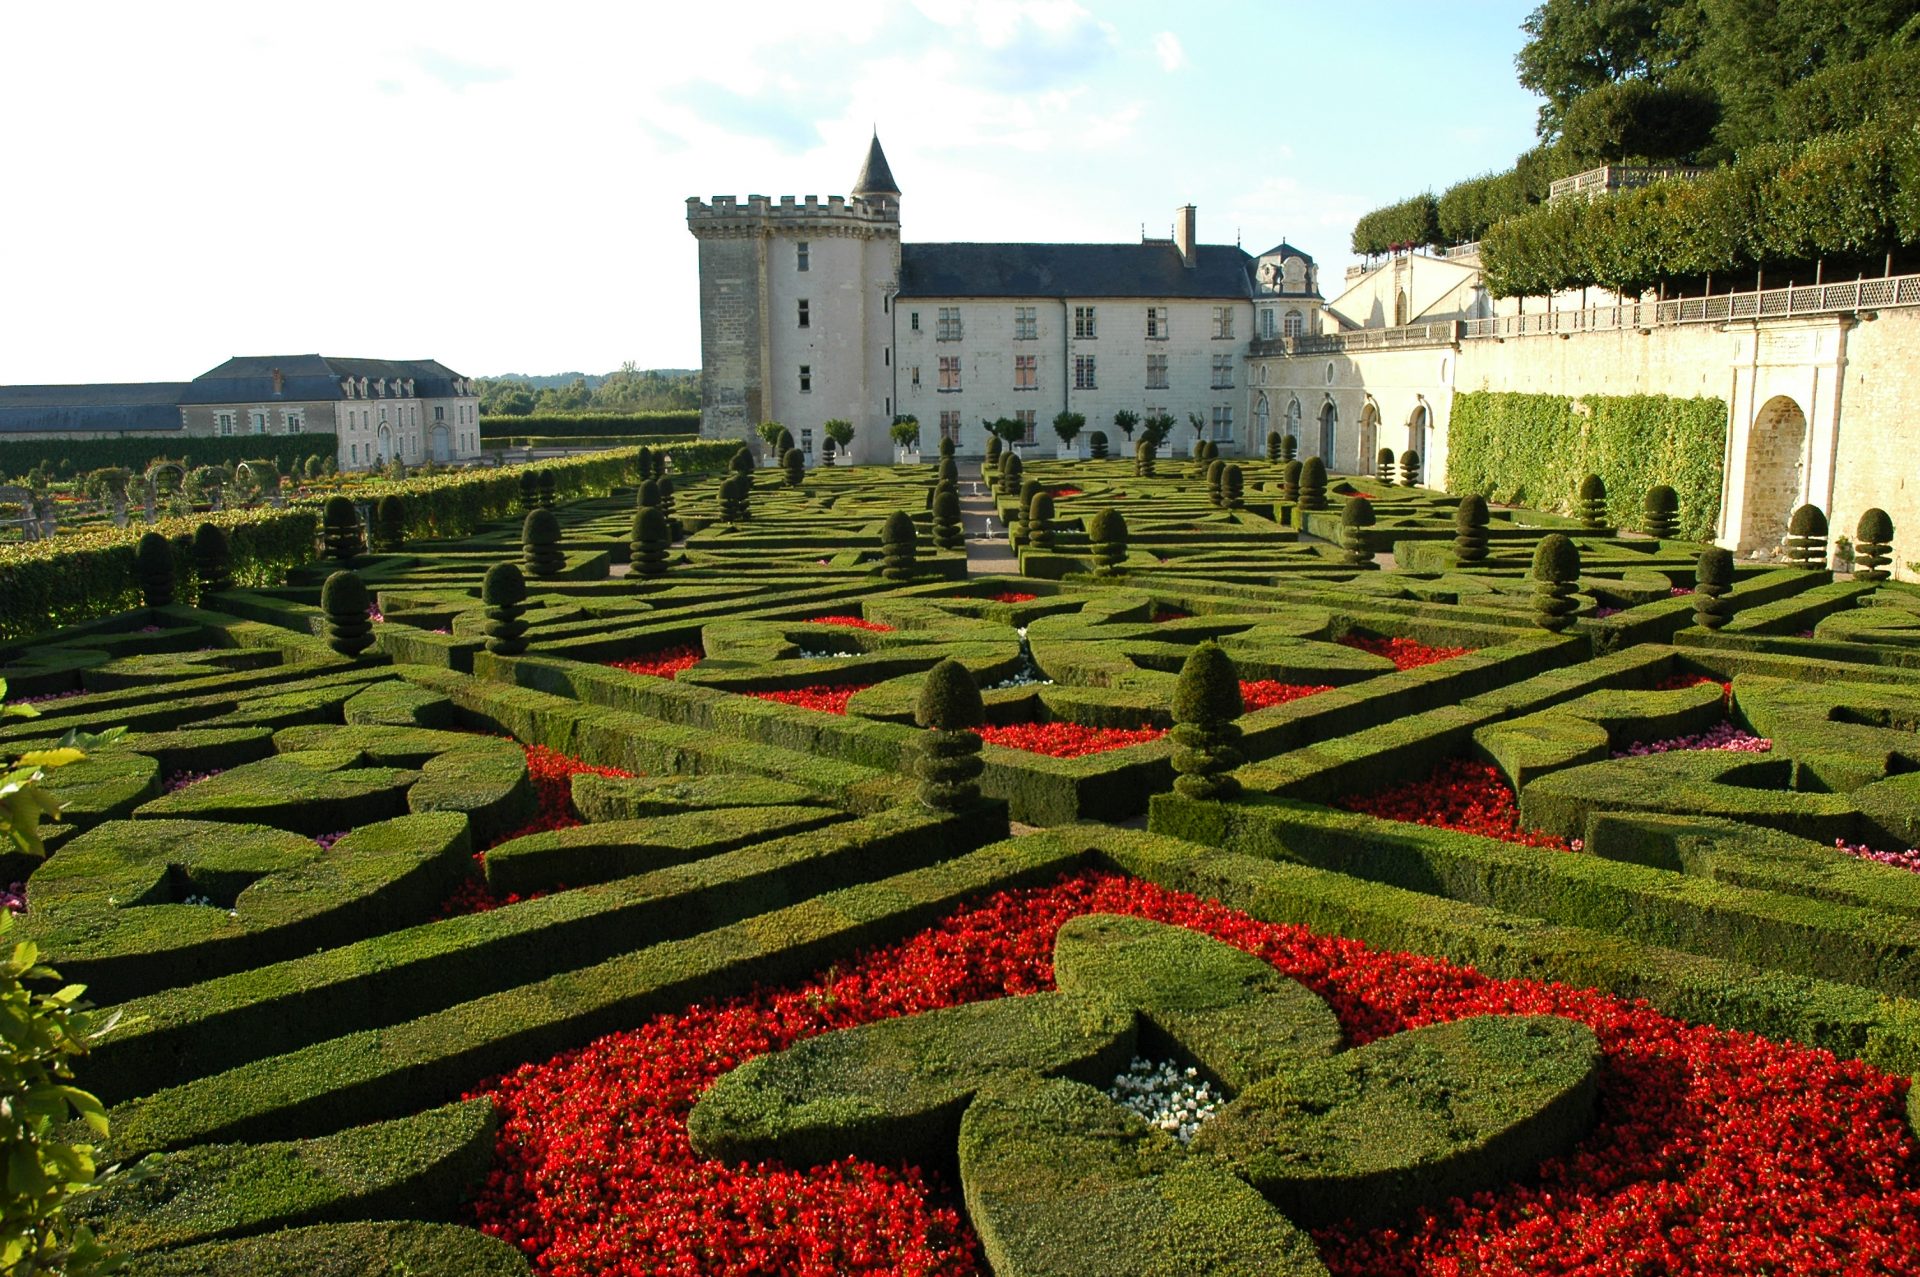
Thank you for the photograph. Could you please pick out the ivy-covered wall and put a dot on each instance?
(1534, 449)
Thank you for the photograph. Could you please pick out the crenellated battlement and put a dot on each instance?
(727, 215)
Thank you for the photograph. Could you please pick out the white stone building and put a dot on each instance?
(813, 310)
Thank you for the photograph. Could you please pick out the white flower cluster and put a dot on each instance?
(1170, 1098)
(1027, 677)
(197, 900)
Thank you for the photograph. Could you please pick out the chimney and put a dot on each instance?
(279, 382)
(1184, 232)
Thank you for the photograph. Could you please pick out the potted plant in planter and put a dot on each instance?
(1009, 431)
(841, 433)
(1199, 424)
(1124, 421)
(770, 432)
(1068, 426)
(1155, 429)
(906, 439)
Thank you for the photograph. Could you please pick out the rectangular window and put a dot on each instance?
(1222, 422)
(949, 372)
(1222, 323)
(1029, 418)
(1083, 323)
(916, 376)
(1083, 373)
(225, 423)
(806, 379)
(1266, 323)
(950, 424)
(296, 423)
(1026, 323)
(948, 328)
(353, 451)
(1296, 324)
(914, 320)
(1156, 372)
(887, 356)
(806, 440)
(1026, 372)
(1223, 372)
(259, 423)
(806, 319)
(800, 255)
(1156, 323)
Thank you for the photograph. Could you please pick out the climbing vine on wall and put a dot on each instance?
(1534, 449)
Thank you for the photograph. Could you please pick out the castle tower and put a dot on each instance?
(795, 301)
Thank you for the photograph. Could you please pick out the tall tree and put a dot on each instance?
(1574, 46)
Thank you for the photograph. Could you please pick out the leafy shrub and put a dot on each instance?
(1411, 223)
(1206, 703)
(948, 532)
(1410, 468)
(567, 425)
(1097, 445)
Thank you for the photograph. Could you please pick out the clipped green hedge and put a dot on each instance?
(1531, 449)
(17, 456)
(1412, 223)
(587, 425)
(404, 1248)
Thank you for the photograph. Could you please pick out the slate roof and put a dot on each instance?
(1074, 270)
(249, 378)
(1284, 249)
(875, 177)
(140, 405)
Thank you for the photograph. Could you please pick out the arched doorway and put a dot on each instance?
(1400, 309)
(1261, 416)
(385, 446)
(1329, 430)
(1369, 442)
(1417, 430)
(442, 444)
(1775, 474)
(1293, 420)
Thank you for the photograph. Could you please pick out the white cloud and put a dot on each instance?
(1167, 47)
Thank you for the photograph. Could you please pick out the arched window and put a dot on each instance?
(1260, 419)
(1329, 431)
(1293, 418)
(1400, 312)
(1294, 325)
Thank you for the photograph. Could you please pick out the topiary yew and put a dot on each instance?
(1807, 538)
(1012, 471)
(948, 532)
(899, 547)
(647, 495)
(1290, 480)
(1097, 445)
(1712, 582)
(794, 463)
(1356, 536)
(1313, 484)
(948, 473)
(665, 482)
(212, 559)
(1410, 468)
(736, 498)
(1470, 529)
(529, 489)
(1383, 466)
(993, 451)
(1591, 505)
(1661, 517)
(1274, 446)
(1217, 482)
(1206, 705)
(650, 543)
(1108, 534)
(1143, 458)
(742, 461)
(946, 448)
(1289, 447)
(1556, 578)
(153, 569)
(340, 531)
(343, 599)
(546, 485)
(1872, 545)
(949, 765)
(1233, 487)
(390, 519)
(643, 462)
(540, 549)
(1038, 525)
(504, 592)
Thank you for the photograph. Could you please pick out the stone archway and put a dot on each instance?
(1775, 474)
(1369, 443)
(441, 445)
(1329, 432)
(385, 445)
(1262, 416)
(1417, 429)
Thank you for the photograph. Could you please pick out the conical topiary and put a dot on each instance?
(390, 521)
(540, 551)
(948, 473)
(949, 764)
(1274, 446)
(504, 593)
(1556, 579)
(1712, 581)
(1807, 538)
(1313, 484)
(1097, 445)
(1356, 531)
(1012, 471)
(736, 497)
(1143, 458)
(899, 547)
(1872, 545)
(643, 462)
(665, 481)
(784, 444)
(1661, 516)
(212, 559)
(946, 447)
(1217, 482)
(650, 543)
(742, 461)
(1023, 501)
(794, 463)
(1383, 466)
(1206, 705)
(1590, 507)
(153, 569)
(1039, 521)
(1289, 447)
(1108, 534)
(648, 494)
(1290, 480)
(546, 482)
(1470, 529)
(529, 489)
(948, 533)
(340, 531)
(993, 451)
(1410, 468)
(343, 600)
(1233, 487)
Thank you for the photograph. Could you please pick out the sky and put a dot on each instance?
(503, 187)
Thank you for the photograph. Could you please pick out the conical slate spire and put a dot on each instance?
(875, 177)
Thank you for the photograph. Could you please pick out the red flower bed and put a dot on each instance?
(828, 698)
(552, 773)
(1716, 1153)
(1066, 740)
(1675, 682)
(1065, 492)
(666, 663)
(852, 622)
(1012, 596)
(1405, 653)
(1260, 693)
(1467, 796)
(1169, 613)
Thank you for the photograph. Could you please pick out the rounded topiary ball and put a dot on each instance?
(1662, 507)
(1556, 575)
(340, 530)
(212, 559)
(390, 515)
(949, 699)
(1208, 689)
(1713, 578)
(651, 542)
(540, 543)
(1872, 545)
(153, 569)
(344, 601)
